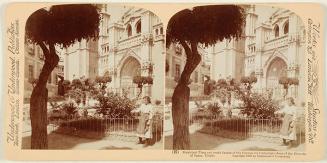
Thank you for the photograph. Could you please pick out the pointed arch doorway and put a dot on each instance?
(277, 68)
(131, 67)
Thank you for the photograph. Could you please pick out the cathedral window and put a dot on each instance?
(286, 28)
(161, 30)
(138, 27)
(276, 30)
(156, 31)
(129, 30)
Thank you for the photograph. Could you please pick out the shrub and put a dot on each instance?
(285, 81)
(221, 83)
(91, 124)
(70, 109)
(75, 94)
(258, 106)
(141, 80)
(114, 105)
(213, 109)
(89, 84)
(76, 83)
(103, 80)
(66, 84)
(248, 81)
(148, 80)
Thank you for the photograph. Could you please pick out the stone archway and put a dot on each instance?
(276, 69)
(131, 67)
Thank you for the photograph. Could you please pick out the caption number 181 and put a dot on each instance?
(175, 151)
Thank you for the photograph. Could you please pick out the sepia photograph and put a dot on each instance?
(92, 78)
(234, 77)
(163, 81)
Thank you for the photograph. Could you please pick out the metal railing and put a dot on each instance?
(246, 128)
(95, 128)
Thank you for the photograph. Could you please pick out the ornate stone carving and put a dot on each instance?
(259, 72)
(147, 66)
(147, 38)
(113, 49)
(113, 71)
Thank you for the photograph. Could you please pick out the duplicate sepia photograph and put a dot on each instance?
(91, 79)
(234, 76)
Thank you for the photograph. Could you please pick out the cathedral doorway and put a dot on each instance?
(131, 67)
(276, 69)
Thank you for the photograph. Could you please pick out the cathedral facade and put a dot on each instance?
(132, 45)
(272, 47)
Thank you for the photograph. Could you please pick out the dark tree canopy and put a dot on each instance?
(206, 24)
(63, 24)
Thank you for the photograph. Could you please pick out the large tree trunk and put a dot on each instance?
(180, 113)
(38, 101)
(180, 99)
(38, 113)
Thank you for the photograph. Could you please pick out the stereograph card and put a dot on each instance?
(163, 81)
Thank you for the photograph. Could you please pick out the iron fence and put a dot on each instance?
(246, 128)
(96, 127)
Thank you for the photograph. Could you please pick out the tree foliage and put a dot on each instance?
(206, 24)
(286, 81)
(63, 24)
(141, 80)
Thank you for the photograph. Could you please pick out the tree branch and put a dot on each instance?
(187, 49)
(194, 47)
(193, 58)
(44, 48)
(52, 48)
(51, 61)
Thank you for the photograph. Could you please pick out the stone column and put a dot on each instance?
(293, 52)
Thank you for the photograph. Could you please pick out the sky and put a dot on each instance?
(264, 12)
(116, 12)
